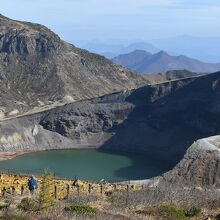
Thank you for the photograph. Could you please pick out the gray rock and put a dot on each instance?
(200, 165)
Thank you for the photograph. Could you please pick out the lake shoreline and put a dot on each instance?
(12, 154)
(8, 155)
(127, 166)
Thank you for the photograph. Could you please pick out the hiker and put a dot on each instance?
(32, 185)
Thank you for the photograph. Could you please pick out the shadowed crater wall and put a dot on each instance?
(161, 120)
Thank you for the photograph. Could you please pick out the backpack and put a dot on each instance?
(32, 184)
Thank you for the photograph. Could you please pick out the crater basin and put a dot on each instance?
(88, 164)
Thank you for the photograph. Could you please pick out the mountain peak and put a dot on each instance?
(162, 62)
(2, 16)
(143, 52)
(162, 53)
(16, 34)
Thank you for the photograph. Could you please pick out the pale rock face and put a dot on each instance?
(41, 103)
(13, 139)
(3, 140)
(200, 165)
(2, 114)
(68, 99)
(14, 112)
(35, 130)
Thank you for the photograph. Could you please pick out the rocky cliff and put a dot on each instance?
(200, 165)
(37, 68)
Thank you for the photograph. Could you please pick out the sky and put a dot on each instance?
(121, 20)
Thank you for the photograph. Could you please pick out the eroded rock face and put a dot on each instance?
(200, 165)
(76, 125)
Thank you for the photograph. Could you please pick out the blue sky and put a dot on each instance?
(82, 20)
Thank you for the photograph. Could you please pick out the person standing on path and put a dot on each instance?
(32, 185)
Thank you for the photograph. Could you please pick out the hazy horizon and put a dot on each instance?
(127, 20)
(177, 26)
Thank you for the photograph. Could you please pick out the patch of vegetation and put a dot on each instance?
(46, 197)
(81, 209)
(178, 213)
(172, 212)
(193, 211)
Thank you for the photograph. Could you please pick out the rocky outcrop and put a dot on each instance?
(200, 165)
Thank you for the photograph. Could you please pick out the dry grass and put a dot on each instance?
(153, 203)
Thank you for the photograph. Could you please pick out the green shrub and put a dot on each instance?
(193, 211)
(178, 213)
(173, 212)
(81, 209)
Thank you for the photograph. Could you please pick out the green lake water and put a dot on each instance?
(90, 164)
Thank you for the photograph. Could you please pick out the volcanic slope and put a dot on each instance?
(37, 68)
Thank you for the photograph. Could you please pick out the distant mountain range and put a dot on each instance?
(205, 49)
(112, 50)
(202, 48)
(161, 62)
